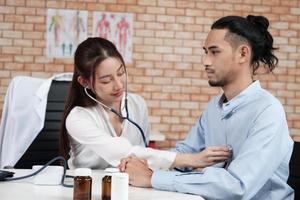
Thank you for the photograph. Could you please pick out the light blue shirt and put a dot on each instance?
(254, 124)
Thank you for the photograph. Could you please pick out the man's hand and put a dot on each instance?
(205, 158)
(139, 173)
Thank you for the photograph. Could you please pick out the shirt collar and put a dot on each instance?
(231, 106)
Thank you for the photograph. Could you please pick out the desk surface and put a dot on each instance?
(25, 190)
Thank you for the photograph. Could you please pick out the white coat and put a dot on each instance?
(23, 115)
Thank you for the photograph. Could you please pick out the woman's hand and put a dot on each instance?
(138, 171)
(207, 157)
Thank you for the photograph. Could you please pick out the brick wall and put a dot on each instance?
(167, 52)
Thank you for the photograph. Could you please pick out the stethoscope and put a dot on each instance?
(119, 114)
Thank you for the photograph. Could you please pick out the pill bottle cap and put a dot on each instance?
(83, 172)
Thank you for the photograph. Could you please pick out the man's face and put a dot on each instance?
(219, 60)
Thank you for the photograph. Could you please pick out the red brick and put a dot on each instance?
(163, 49)
(152, 88)
(26, 11)
(180, 97)
(166, 3)
(33, 35)
(24, 27)
(154, 72)
(15, 2)
(23, 59)
(14, 66)
(243, 7)
(142, 79)
(171, 88)
(156, 10)
(11, 50)
(174, 27)
(14, 18)
(7, 10)
(262, 9)
(5, 42)
(288, 33)
(20, 73)
(53, 68)
(144, 33)
(56, 4)
(165, 18)
(4, 73)
(289, 18)
(34, 19)
(116, 8)
(184, 35)
(205, 5)
(76, 5)
(146, 3)
(95, 7)
(154, 119)
(175, 11)
(152, 103)
(34, 67)
(39, 27)
(161, 96)
(42, 74)
(12, 34)
(213, 13)
(170, 120)
(172, 57)
(224, 6)
(32, 51)
(152, 56)
(154, 25)
(135, 9)
(6, 58)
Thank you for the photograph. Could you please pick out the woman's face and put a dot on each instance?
(110, 80)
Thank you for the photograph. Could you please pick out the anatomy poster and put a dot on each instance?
(116, 27)
(65, 30)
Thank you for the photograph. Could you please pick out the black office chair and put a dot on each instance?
(46, 145)
(294, 178)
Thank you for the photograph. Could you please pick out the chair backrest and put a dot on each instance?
(294, 178)
(46, 145)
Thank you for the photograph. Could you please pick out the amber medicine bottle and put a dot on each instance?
(106, 187)
(82, 184)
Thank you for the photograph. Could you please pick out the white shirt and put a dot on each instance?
(95, 144)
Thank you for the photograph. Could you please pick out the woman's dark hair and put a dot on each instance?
(254, 31)
(88, 56)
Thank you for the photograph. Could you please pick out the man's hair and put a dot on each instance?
(252, 30)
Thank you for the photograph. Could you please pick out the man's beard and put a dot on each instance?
(219, 83)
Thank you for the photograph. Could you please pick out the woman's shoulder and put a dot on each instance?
(136, 98)
(79, 111)
(136, 101)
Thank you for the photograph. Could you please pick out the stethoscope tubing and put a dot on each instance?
(120, 115)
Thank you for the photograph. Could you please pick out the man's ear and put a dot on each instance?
(244, 53)
(83, 82)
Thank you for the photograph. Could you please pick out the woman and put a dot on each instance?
(94, 133)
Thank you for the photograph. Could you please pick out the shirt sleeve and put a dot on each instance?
(81, 127)
(248, 172)
(194, 141)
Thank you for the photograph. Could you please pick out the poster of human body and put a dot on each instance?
(116, 27)
(65, 30)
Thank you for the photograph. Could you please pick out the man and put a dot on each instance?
(245, 117)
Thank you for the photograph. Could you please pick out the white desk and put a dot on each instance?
(25, 190)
